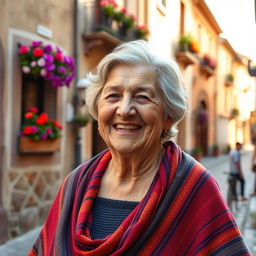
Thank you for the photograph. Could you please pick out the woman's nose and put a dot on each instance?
(126, 107)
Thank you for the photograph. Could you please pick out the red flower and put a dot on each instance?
(124, 11)
(42, 119)
(29, 115)
(38, 52)
(57, 124)
(27, 130)
(33, 110)
(58, 56)
(23, 49)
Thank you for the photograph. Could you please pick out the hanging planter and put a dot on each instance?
(48, 62)
(39, 134)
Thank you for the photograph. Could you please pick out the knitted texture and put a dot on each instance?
(107, 216)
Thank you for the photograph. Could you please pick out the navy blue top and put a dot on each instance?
(108, 214)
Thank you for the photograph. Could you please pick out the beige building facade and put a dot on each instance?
(29, 182)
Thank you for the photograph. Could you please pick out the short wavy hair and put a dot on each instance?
(169, 80)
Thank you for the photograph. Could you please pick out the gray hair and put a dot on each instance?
(169, 80)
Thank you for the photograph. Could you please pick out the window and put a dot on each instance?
(162, 6)
(37, 92)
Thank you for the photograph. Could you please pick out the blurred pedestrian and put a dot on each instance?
(253, 164)
(236, 168)
(143, 195)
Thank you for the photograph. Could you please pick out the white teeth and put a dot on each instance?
(127, 126)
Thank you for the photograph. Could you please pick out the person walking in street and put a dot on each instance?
(253, 164)
(143, 195)
(236, 169)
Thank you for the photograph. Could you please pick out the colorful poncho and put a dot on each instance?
(183, 213)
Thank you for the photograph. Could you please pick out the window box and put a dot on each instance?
(186, 58)
(207, 71)
(28, 145)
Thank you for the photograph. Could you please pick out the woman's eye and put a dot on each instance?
(113, 96)
(141, 97)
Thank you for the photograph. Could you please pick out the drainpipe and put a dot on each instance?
(76, 129)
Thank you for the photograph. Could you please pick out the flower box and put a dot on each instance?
(186, 58)
(207, 71)
(28, 145)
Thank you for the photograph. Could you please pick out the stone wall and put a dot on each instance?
(31, 195)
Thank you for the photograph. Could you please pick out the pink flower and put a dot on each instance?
(58, 56)
(43, 72)
(23, 49)
(34, 129)
(49, 130)
(123, 10)
(36, 43)
(41, 62)
(26, 69)
(33, 64)
(104, 3)
(44, 136)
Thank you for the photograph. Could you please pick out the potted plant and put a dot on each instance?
(81, 120)
(229, 79)
(215, 150)
(197, 153)
(188, 43)
(184, 42)
(141, 31)
(208, 61)
(235, 112)
(39, 134)
(48, 62)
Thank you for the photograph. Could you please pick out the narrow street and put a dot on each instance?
(246, 213)
(217, 166)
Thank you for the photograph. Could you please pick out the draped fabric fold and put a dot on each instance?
(183, 213)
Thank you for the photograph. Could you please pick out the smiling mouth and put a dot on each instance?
(127, 127)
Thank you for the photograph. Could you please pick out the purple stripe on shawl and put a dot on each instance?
(199, 231)
(228, 248)
(198, 185)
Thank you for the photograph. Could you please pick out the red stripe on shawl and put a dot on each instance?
(171, 214)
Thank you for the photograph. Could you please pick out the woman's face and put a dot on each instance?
(130, 110)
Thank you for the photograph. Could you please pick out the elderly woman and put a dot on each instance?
(143, 195)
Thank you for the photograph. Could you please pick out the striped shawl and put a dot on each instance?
(183, 213)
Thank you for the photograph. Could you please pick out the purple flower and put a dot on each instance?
(49, 76)
(48, 48)
(21, 134)
(34, 129)
(36, 43)
(49, 66)
(62, 70)
(48, 58)
(43, 136)
(49, 130)
(58, 49)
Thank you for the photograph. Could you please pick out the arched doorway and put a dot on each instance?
(202, 120)
(3, 213)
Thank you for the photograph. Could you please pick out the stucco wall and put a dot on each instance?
(30, 182)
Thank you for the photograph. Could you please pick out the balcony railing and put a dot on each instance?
(101, 29)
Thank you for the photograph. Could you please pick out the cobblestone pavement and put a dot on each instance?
(245, 214)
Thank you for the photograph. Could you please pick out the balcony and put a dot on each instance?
(106, 30)
(185, 58)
